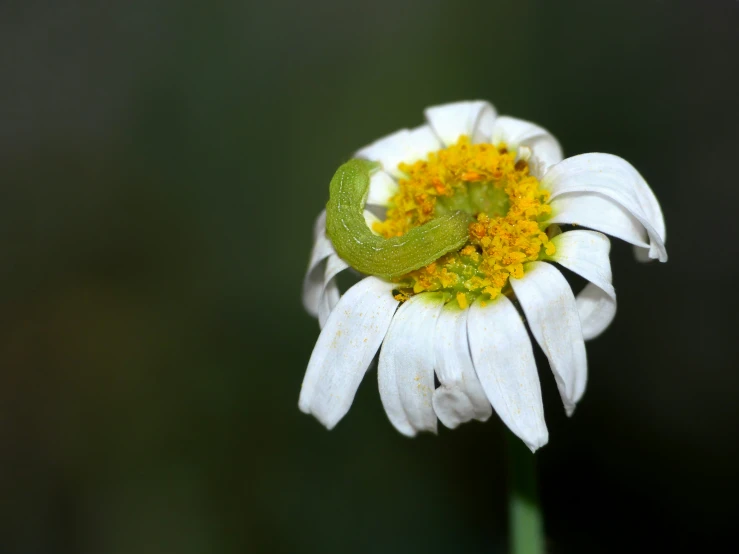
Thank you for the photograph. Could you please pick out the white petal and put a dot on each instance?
(472, 118)
(595, 211)
(406, 370)
(345, 349)
(586, 253)
(402, 146)
(504, 363)
(460, 397)
(617, 179)
(382, 188)
(313, 283)
(551, 312)
(642, 254)
(596, 309)
(330, 293)
(654, 213)
(370, 219)
(517, 133)
(319, 226)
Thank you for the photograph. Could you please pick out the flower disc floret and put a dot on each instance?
(508, 205)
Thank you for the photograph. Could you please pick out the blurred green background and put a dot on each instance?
(162, 164)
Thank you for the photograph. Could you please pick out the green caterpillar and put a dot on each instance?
(372, 254)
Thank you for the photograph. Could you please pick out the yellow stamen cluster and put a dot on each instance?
(506, 202)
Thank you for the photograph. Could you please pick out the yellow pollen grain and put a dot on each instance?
(498, 245)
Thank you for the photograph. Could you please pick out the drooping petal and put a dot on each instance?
(460, 397)
(595, 211)
(319, 225)
(597, 310)
(382, 188)
(551, 312)
(402, 146)
(504, 363)
(616, 179)
(330, 293)
(313, 283)
(519, 135)
(345, 348)
(654, 213)
(472, 118)
(586, 253)
(405, 372)
(651, 206)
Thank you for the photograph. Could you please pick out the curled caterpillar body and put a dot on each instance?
(375, 255)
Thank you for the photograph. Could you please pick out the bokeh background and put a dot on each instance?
(162, 163)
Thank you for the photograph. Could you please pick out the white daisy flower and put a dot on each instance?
(464, 316)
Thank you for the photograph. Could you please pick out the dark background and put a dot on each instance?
(161, 166)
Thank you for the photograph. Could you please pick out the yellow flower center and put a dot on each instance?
(506, 201)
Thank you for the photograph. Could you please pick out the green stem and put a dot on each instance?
(526, 529)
